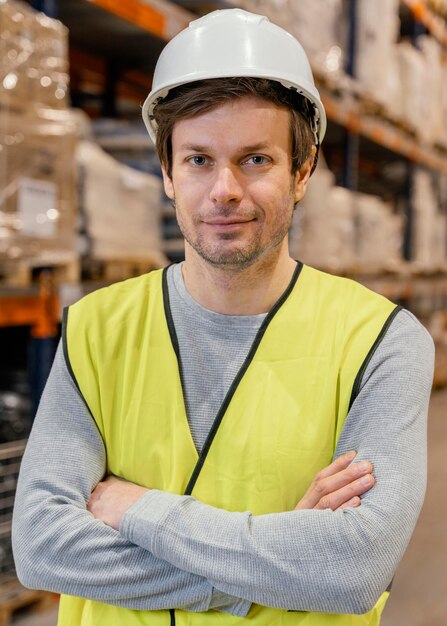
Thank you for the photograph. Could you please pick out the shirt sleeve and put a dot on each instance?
(59, 546)
(317, 560)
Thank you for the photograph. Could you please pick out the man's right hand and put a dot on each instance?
(339, 485)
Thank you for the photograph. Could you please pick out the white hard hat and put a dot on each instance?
(234, 43)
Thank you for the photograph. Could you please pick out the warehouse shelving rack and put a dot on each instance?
(129, 34)
(36, 307)
(162, 19)
(348, 113)
(10, 458)
(435, 24)
(13, 596)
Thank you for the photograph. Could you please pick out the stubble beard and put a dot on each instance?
(233, 257)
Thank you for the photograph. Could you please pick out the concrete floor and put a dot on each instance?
(419, 594)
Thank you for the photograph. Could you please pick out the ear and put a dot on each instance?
(167, 184)
(303, 175)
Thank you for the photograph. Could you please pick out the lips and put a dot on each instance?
(226, 221)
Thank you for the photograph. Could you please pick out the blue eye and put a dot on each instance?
(257, 159)
(198, 160)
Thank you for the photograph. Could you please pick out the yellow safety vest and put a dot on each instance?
(277, 427)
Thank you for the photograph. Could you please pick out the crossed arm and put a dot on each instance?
(60, 547)
(306, 559)
(336, 487)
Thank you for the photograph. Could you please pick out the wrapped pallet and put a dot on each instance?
(37, 187)
(121, 208)
(412, 76)
(37, 143)
(376, 63)
(339, 230)
(433, 87)
(33, 59)
(304, 20)
(322, 232)
(378, 234)
(304, 230)
(442, 139)
(429, 243)
(322, 17)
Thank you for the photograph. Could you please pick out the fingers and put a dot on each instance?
(357, 477)
(351, 504)
(340, 463)
(338, 483)
(347, 494)
(99, 490)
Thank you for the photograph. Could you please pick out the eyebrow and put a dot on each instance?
(198, 148)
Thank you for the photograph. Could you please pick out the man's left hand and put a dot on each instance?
(111, 498)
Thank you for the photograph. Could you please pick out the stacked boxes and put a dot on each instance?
(376, 66)
(121, 208)
(340, 231)
(430, 224)
(304, 20)
(33, 59)
(387, 73)
(37, 139)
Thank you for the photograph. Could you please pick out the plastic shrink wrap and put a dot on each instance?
(33, 59)
(376, 65)
(37, 140)
(342, 231)
(429, 243)
(443, 133)
(37, 186)
(431, 124)
(315, 24)
(411, 71)
(121, 208)
(322, 232)
(378, 234)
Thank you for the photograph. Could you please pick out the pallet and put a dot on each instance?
(13, 597)
(439, 331)
(25, 272)
(440, 376)
(112, 270)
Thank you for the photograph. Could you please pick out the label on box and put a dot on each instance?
(36, 206)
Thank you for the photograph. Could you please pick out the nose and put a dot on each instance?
(226, 186)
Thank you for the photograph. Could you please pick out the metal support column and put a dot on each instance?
(408, 243)
(409, 211)
(49, 7)
(40, 359)
(352, 141)
(43, 340)
(109, 95)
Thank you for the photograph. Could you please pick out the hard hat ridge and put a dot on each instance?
(235, 43)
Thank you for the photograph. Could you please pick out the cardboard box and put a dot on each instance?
(37, 185)
(121, 208)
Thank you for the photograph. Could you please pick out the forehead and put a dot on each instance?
(243, 121)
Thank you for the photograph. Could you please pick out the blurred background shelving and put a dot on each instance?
(74, 74)
(103, 54)
(98, 57)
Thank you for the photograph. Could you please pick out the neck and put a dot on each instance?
(235, 291)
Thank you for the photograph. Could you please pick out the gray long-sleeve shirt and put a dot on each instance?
(175, 552)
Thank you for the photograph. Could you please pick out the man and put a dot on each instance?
(180, 470)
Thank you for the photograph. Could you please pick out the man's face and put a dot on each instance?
(232, 184)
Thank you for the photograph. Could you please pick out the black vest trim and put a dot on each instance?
(358, 379)
(257, 340)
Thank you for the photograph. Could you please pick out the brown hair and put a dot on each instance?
(202, 96)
